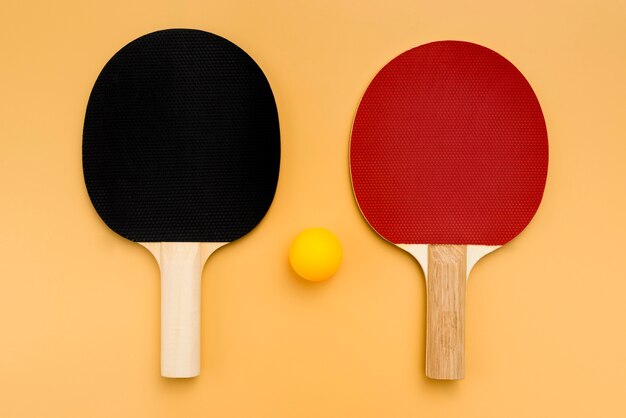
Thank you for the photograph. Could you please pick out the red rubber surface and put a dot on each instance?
(449, 146)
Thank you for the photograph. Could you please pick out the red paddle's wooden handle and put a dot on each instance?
(445, 312)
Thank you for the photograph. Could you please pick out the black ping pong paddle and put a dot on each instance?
(181, 153)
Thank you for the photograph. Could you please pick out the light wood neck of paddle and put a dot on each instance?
(447, 269)
(181, 266)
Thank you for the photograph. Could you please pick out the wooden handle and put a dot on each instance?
(445, 312)
(181, 270)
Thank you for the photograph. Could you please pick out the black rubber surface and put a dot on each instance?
(181, 141)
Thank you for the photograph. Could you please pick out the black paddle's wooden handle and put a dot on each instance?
(181, 266)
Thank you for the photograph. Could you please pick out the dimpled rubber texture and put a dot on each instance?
(449, 146)
(181, 140)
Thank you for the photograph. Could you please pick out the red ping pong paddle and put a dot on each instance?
(448, 157)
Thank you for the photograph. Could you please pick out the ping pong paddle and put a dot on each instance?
(181, 153)
(448, 159)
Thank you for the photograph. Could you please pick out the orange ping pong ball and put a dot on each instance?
(315, 254)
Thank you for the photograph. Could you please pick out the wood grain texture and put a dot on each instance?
(445, 312)
(181, 272)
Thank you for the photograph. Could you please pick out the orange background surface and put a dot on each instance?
(79, 305)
